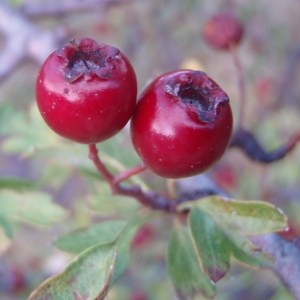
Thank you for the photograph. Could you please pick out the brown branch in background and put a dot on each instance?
(57, 8)
(240, 84)
(248, 143)
(286, 255)
(23, 40)
(288, 78)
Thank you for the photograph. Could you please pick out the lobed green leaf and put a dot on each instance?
(81, 239)
(15, 183)
(219, 228)
(32, 207)
(91, 274)
(184, 266)
(250, 217)
(215, 245)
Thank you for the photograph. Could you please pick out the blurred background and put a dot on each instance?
(157, 36)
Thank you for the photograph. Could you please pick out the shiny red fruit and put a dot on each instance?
(222, 31)
(182, 124)
(86, 92)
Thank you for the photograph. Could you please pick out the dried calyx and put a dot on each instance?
(199, 93)
(87, 57)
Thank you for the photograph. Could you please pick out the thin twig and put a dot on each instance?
(248, 143)
(128, 173)
(58, 8)
(288, 78)
(241, 85)
(148, 199)
(23, 40)
(26, 41)
(287, 259)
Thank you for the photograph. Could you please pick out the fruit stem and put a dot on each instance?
(128, 173)
(149, 199)
(241, 84)
(93, 155)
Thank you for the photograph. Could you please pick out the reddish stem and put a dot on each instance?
(241, 84)
(128, 173)
(149, 199)
(93, 155)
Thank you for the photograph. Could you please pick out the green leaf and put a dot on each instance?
(219, 228)
(251, 217)
(15, 3)
(91, 274)
(85, 278)
(102, 201)
(113, 156)
(81, 239)
(9, 114)
(22, 139)
(184, 266)
(15, 183)
(215, 244)
(7, 226)
(32, 207)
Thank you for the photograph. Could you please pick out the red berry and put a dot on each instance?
(290, 233)
(143, 237)
(182, 124)
(222, 31)
(137, 295)
(86, 92)
(225, 177)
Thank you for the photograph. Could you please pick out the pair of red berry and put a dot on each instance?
(180, 125)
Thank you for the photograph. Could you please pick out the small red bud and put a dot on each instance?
(222, 31)
(143, 237)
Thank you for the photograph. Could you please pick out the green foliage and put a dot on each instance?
(199, 252)
(81, 239)
(15, 2)
(87, 276)
(184, 265)
(30, 133)
(91, 274)
(16, 183)
(103, 202)
(250, 217)
(30, 207)
(215, 245)
(217, 230)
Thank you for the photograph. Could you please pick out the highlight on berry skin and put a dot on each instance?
(222, 31)
(182, 124)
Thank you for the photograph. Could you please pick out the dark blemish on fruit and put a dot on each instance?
(88, 58)
(199, 93)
